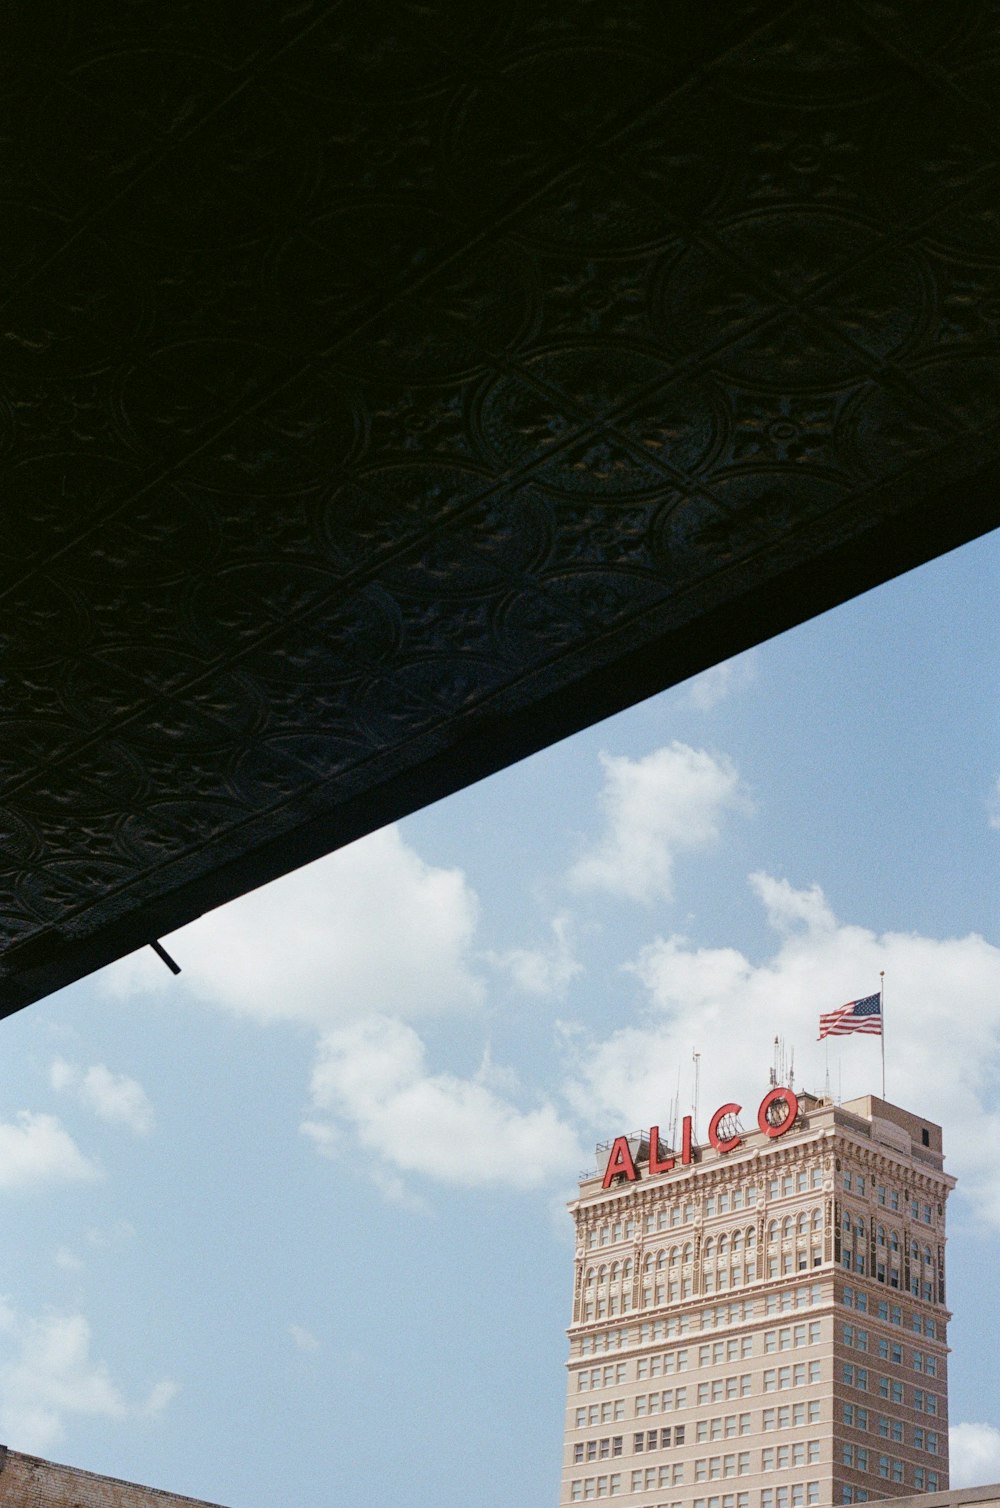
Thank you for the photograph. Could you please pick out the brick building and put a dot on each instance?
(30, 1482)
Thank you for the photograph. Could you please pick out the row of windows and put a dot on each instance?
(889, 1388)
(890, 1350)
(609, 1412)
(790, 1415)
(718, 1390)
(797, 1453)
(860, 1458)
(652, 1439)
(855, 1226)
(781, 1417)
(724, 1388)
(684, 1212)
(794, 1496)
(775, 1379)
(923, 1481)
(892, 1314)
(735, 1348)
(722, 1427)
(795, 1183)
(785, 1416)
(856, 1261)
(669, 1217)
(712, 1468)
(887, 1198)
(779, 1378)
(711, 1318)
(601, 1377)
(790, 1336)
(597, 1450)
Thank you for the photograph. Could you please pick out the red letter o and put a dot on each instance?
(790, 1099)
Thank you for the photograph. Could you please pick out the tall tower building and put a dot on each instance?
(760, 1322)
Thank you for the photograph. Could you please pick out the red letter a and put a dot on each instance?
(620, 1161)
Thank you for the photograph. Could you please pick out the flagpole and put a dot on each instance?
(881, 975)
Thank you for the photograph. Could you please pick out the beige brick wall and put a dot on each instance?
(30, 1482)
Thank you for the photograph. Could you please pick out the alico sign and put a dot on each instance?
(621, 1163)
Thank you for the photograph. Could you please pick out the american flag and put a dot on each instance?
(856, 1016)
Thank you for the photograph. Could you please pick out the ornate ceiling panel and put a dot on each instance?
(389, 389)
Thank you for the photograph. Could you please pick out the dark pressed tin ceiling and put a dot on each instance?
(391, 388)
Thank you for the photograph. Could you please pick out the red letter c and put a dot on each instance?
(714, 1124)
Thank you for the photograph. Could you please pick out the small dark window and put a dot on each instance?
(925, 1136)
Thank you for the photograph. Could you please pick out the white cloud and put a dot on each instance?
(942, 1029)
(710, 688)
(372, 1075)
(993, 805)
(655, 808)
(122, 1230)
(48, 1374)
(303, 1339)
(973, 1454)
(68, 1260)
(161, 1394)
(35, 1149)
(370, 928)
(324, 1137)
(114, 1097)
(546, 970)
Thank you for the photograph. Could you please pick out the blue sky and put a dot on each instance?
(291, 1228)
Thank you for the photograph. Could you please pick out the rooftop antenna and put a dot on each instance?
(675, 1112)
(696, 1058)
(783, 1067)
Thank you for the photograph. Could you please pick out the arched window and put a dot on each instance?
(859, 1230)
(751, 1238)
(737, 1241)
(880, 1235)
(894, 1240)
(927, 1255)
(649, 1262)
(772, 1231)
(615, 1272)
(709, 1248)
(817, 1219)
(723, 1245)
(590, 1277)
(661, 1260)
(802, 1223)
(687, 1255)
(626, 1269)
(602, 1273)
(786, 1227)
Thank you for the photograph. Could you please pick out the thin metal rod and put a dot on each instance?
(881, 975)
(161, 952)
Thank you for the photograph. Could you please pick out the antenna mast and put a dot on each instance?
(696, 1058)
